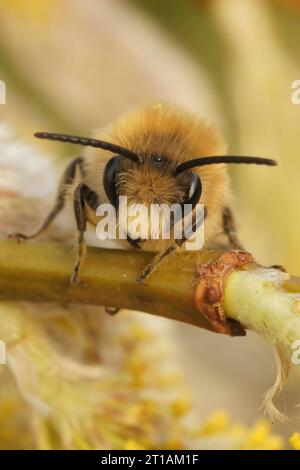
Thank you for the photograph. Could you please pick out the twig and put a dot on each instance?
(261, 299)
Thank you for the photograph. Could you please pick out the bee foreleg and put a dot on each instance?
(150, 268)
(230, 229)
(83, 196)
(67, 179)
(160, 256)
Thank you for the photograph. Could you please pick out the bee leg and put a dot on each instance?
(67, 179)
(83, 196)
(230, 229)
(81, 222)
(134, 243)
(160, 256)
(277, 266)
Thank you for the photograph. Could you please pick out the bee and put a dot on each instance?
(155, 155)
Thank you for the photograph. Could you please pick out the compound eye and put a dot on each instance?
(195, 190)
(159, 162)
(192, 189)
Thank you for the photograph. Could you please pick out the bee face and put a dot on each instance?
(153, 181)
(164, 137)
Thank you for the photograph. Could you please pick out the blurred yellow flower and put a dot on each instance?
(217, 431)
(295, 440)
(181, 406)
(218, 422)
(260, 437)
(132, 445)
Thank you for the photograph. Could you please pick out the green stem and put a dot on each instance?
(264, 300)
(41, 272)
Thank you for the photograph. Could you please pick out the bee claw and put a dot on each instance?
(75, 279)
(277, 266)
(142, 280)
(19, 237)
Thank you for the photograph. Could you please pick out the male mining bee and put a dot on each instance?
(160, 155)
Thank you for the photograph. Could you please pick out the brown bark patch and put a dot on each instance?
(209, 292)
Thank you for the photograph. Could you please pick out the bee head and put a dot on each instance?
(152, 177)
(164, 157)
